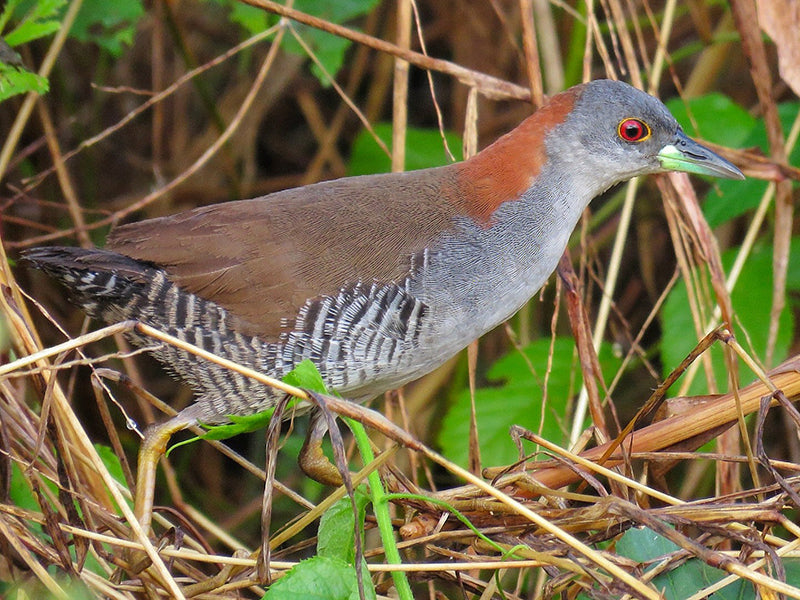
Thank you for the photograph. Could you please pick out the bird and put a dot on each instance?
(375, 279)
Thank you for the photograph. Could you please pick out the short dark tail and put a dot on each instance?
(113, 288)
(103, 283)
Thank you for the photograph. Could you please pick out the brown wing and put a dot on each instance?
(261, 259)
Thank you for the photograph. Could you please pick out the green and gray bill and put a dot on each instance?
(684, 154)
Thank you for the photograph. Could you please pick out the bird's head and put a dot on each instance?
(615, 131)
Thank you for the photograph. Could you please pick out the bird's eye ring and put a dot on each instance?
(633, 130)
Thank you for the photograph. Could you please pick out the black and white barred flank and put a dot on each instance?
(350, 336)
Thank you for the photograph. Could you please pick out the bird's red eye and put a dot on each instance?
(633, 130)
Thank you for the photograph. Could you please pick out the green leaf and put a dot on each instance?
(31, 30)
(306, 376)
(719, 119)
(111, 462)
(518, 401)
(45, 9)
(35, 20)
(238, 425)
(16, 80)
(722, 121)
(328, 48)
(110, 25)
(792, 566)
(424, 148)
(319, 578)
(8, 10)
(21, 495)
(32, 10)
(253, 20)
(20, 492)
(727, 200)
(335, 538)
(751, 302)
(32, 589)
(645, 545)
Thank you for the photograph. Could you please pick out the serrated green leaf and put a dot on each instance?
(31, 30)
(14, 80)
(35, 20)
(45, 9)
(424, 148)
(319, 578)
(335, 538)
(518, 401)
(752, 303)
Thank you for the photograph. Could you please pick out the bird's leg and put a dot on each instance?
(153, 448)
(312, 459)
